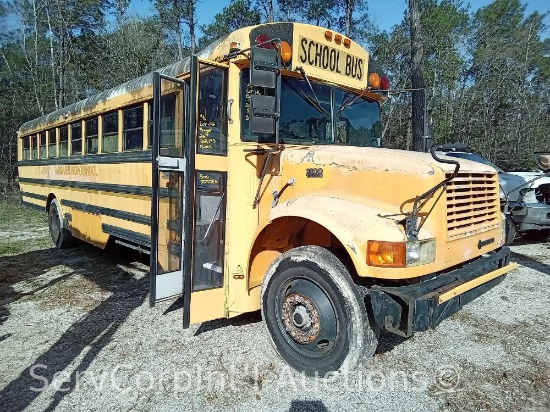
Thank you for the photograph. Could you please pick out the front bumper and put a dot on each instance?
(416, 308)
(531, 216)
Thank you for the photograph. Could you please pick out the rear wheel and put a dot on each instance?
(61, 237)
(314, 313)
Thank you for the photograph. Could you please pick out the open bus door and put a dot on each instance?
(173, 146)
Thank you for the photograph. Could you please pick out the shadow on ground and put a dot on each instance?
(93, 331)
(531, 263)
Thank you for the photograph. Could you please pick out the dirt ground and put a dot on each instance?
(76, 333)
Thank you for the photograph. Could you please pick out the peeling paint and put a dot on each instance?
(352, 247)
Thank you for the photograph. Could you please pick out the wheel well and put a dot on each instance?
(287, 233)
(51, 197)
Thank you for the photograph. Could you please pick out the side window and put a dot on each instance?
(76, 138)
(110, 132)
(132, 131)
(42, 142)
(63, 141)
(52, 146)
(208, 250)
(26, 148)
(212, 133)
(91, 136)
(34, 138)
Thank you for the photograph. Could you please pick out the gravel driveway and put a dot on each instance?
(76, 333)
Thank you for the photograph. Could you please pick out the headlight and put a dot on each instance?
(400, 254)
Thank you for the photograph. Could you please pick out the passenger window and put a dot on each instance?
(42, 142)
(34, 138)
(212, 133)
(76, 138)
(91, 136)
(110, 133)
(133, 128)
(208, 250)
(63, 141)
(52, 146)
(26, 148)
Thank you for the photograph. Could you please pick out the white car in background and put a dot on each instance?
(525, 197)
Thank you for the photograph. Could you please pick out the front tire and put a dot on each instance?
(61, 237)
(314, 313)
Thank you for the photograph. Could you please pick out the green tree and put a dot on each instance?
(239, 13)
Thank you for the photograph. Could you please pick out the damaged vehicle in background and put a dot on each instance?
(525, 196)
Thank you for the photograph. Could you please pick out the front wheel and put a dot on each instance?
(314, 313)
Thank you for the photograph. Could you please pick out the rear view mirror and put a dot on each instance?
(264, 66)
(264, 79)
(263, 110)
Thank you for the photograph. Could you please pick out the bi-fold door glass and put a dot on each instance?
(170, 221)
(209, 245)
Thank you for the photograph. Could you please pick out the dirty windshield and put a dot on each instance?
(324, 115)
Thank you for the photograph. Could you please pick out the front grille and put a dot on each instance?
(472, 203)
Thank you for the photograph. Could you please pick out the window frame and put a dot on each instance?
(132, 129)
(90, 138)
(63, 142)
(52, 143)
(109, 134)
(26, 151)
(76, 125)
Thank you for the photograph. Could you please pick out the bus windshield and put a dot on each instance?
(328, 115)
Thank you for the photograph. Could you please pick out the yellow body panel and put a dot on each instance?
(363, 195)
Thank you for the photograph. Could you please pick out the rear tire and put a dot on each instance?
(61, 237)
(315, 314)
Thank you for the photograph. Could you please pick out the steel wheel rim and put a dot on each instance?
(306, 317)
(54, 224)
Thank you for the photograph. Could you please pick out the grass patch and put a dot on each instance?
(12, 214)
(21, 228)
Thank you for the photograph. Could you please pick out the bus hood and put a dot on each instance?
(377, 159)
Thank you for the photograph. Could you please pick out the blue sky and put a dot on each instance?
(385, 13)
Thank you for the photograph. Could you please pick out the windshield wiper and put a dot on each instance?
(350, 102)
(315, 103)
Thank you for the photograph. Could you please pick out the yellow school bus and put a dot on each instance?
(252, 174)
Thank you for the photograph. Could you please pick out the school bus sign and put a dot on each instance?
(328, 58)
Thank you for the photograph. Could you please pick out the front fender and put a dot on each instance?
(351, 223)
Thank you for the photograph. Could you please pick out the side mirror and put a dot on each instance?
(263, 113)
(264, 101)
(264, 67)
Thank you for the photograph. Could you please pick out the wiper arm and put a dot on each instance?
(315, 103)
(347, 104)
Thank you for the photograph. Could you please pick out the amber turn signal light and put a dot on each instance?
(374, 80)
(286, 51)
(386, 254)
